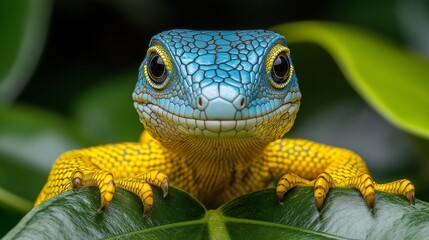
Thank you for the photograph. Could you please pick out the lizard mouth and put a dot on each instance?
(208, 128)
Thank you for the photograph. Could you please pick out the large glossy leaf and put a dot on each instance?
(393, 80)
(23, 27)
(73, 215)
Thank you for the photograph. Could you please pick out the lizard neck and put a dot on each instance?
(223, 155)
(216, 163)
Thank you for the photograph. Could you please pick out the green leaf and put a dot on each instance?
(390, 78)
(30, 141)
(73, 215)
(23, 27)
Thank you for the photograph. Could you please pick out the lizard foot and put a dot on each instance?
(363, 182)
(321, 184)
(139, 185)
(101, 178)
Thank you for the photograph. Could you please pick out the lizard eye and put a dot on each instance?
(279, 68)
(156, 68)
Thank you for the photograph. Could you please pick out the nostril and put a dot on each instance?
(202, 102)
(240, 102)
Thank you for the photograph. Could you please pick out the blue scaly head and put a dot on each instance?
(217, 85)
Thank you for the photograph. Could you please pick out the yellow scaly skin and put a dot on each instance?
(214, 167)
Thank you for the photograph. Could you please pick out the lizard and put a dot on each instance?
(215, 106)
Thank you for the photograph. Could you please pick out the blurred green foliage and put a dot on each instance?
(23, 26)
(370, 64)
(80, 92)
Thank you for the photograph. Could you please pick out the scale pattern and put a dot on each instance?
(214, 126)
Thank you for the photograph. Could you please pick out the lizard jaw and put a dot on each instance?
(155, 117)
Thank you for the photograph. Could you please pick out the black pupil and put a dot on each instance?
(281, 68)
(157, 68)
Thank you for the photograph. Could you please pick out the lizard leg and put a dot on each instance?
(140, 185)
(102, 166)
(323, 167)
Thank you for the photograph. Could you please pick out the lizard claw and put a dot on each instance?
(165, 187)
(411, 197)
(409, 192)
(77, 178)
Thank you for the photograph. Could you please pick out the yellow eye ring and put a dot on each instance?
(158, 68)
(278, 66)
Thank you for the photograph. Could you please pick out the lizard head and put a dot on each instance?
(217, 85)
